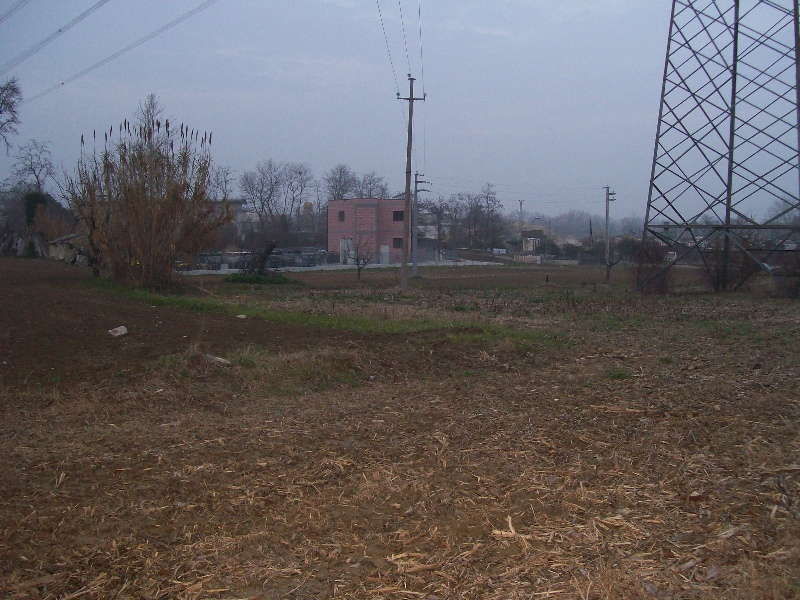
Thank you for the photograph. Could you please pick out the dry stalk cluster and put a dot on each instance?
(144, 198)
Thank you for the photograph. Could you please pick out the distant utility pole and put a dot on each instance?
(414, 222)
(549, 222)
(610, 197)
(407, 207)
(521, 243)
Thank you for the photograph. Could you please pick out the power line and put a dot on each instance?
(421, 62)
(13, 9)
(405, 39)
(391, 61)
(566, 190)
(61, 30)
(538, 198)
(388, 51)
(126, 49)
(422, 76)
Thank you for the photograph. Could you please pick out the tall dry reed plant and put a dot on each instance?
(144, 198)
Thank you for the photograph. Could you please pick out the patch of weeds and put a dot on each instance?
(463, 337)
(243, 361)
(612, 321)
(459, 308)
(531, 337)
(485, 336)
(378, 298)
(666, 360)
(189, 303)
(276, 374)
(618, 374)
(172, 297)
(320, 375)
(726, 329)
(524, 346)
(255, 278)
(524, 340)
(293, 374)
(169, 361)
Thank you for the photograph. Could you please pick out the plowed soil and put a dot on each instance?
(54, 329)
(531, 440)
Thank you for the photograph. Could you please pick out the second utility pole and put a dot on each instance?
(610, 197)
(407, 208)
(414, 224)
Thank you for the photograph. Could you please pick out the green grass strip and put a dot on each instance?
(458, 332)
(354, 323)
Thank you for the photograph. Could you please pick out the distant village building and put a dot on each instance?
(241, 219)
(367, 225)
(534, 240)
(238, 210)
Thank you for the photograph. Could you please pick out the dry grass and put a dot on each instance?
(416, 466)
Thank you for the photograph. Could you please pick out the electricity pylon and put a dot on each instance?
(725, 183)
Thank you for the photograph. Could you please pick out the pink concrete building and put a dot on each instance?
(367, 226)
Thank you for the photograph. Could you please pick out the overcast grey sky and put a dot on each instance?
(549, 100)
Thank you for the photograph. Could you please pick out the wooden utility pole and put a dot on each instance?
(610, 197)
(415, 223)
(407, 207)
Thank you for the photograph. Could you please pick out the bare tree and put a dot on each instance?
(297, 181)
(784, 212)
(260, 189)
(144, 199)
(320, 209)
(220, 183)
(457, 209)
(361, 252)
(473, 213)
(33, 165)
(372, 185)
(10, 97)
(340, 182)
(491, 207)
(275, 192)
(439, 208)
(609, 264)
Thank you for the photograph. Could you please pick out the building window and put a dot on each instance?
(397, 242)
(397, 216)
(341, 215)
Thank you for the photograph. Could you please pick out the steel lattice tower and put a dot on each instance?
(725, 184)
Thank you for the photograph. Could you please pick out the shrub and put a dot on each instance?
(144, 199)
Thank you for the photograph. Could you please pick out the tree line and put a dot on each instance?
(289, 205)
(148, 194)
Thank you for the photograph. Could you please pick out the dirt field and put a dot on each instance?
(483, 435)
